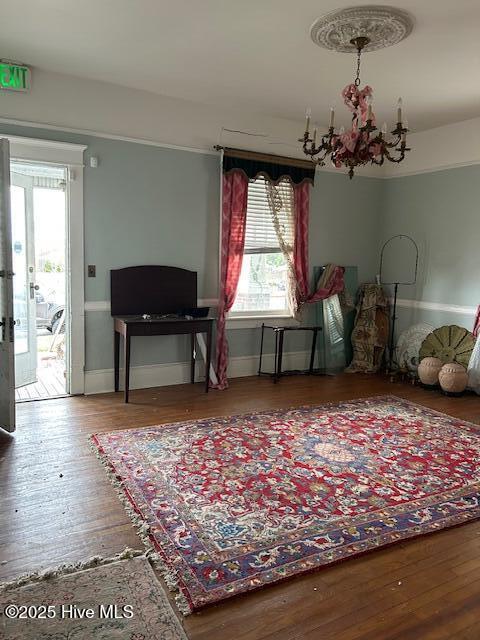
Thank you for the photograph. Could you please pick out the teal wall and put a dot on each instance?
(441, 211)
(147, 204)
(344, 220)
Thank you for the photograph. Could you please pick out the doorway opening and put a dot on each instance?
(39, 255)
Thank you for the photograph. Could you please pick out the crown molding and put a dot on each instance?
(432, 169)
(383, 173)
(106, 136)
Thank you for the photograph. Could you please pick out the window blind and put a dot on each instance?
(334, 319)
(260, 234)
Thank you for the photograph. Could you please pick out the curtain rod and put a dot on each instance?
(265, 157)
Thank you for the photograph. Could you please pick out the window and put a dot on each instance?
(264, 282)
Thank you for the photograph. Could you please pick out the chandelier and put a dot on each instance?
(362, 143)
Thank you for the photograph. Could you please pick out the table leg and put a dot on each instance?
(192, 358)
(312, 353)
(126, 364)
(275, 356)
(208, 358)
(116, 357)
(280, 356)
(261, 350)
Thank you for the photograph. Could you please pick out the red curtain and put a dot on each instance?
(234, 218)
(335, 282)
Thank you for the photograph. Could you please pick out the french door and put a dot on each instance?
(7, 351)
(24, 287)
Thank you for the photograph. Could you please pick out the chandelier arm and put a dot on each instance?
(325, 145)
(392, 144)
(329, 135)
(309, 150)
(372, 143)
(314, 151)
(322, 158)
(368, 127)
(400, 157)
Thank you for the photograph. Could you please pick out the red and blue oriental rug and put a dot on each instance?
(232, 504)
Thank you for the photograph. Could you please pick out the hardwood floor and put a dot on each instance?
(57, 505)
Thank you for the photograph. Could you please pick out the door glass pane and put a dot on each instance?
(49, 211)
(19, 258)
(39, 248)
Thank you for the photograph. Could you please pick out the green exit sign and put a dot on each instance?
(14, 77)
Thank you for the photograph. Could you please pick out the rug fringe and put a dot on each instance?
(143, 530)
(68, 567)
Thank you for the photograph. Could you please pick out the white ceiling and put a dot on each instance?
(253, 54)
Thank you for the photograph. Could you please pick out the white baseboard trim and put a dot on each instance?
(436, 306)
(159, 375)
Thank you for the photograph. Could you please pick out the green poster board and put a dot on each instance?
(335, 347)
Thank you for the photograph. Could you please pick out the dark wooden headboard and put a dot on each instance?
(152, 289)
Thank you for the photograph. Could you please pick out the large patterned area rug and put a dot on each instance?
(124, 597)
(235, 503)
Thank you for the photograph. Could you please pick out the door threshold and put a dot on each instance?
(62, 395)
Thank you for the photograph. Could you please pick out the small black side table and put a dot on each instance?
(279, 333)
(129, 326)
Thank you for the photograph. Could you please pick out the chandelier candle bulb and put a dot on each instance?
(384, 128)
(315, 134)
(308, 116)
(399, 110)
(332, 117)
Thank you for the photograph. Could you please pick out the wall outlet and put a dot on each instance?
(92, 271)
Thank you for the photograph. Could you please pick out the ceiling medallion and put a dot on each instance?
(357, 30)
(383, 26)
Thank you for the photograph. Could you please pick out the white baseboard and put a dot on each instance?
(159, 375)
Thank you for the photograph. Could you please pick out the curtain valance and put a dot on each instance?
(273, 167)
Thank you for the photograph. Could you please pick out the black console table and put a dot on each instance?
(128, 326)
(279, 333)
(156, 300)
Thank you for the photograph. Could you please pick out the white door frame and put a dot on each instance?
(25, 362)
(71, 156)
